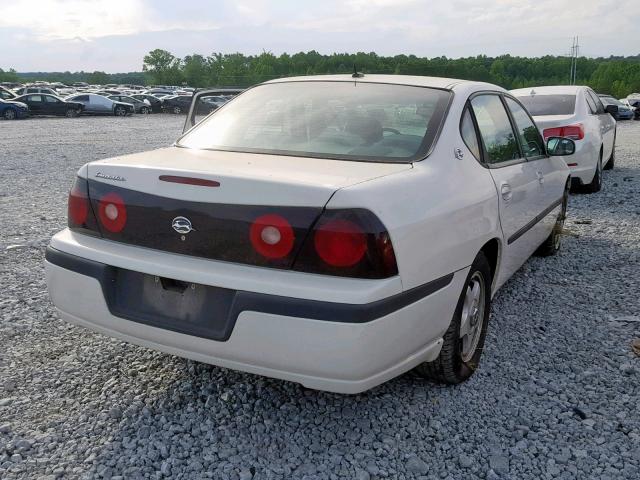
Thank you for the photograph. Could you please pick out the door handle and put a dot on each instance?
(505, 191)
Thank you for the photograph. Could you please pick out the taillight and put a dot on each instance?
(574, 132)
(80, 213)
(340, 243)
(272, 236)
(348, 243)
(78, 207)
(112, 212)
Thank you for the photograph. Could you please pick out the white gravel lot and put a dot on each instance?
(557, 394)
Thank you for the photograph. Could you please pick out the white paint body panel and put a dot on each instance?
(244, 178)
(439, 213)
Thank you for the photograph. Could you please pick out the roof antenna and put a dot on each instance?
(356, 73)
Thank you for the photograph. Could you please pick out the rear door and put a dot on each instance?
(516, 180)
(36, 104)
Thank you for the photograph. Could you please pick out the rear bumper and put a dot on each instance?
(582, 164)
(344, 348)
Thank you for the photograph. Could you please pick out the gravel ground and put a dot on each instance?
(557, 395)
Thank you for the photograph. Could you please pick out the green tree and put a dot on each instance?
(163, 67)
(98, 78)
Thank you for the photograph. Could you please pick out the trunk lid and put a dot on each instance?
(245, 178)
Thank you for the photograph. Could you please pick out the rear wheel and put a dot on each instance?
(552, 244)
(464, 339)
(177, 110)
(9, 114)
(596, 183)
(120, 111)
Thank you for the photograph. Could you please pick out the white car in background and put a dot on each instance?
(576, 112)
(334, 231)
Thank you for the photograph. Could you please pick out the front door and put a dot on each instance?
(551, 172)
(607, 127)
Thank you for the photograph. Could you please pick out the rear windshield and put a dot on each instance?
(549, 104)
(337, 120)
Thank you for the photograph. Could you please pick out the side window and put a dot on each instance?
(495, 129)
(530, 139)
(598, 102)
(592, 105)
(51, 100)
(34, 98)
(468, 132)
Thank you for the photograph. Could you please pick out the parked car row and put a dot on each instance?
(334, 231)
(42, 100)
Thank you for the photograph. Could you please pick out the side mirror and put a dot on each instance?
(560, 146)
(611, 110)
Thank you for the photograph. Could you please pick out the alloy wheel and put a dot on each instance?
(9, 114)
(472, 318)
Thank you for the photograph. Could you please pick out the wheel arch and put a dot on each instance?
(492, 250)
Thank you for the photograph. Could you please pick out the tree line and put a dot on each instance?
(618, 76)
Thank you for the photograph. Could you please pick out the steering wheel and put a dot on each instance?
(391, 130)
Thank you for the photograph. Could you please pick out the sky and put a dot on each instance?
(114, 35)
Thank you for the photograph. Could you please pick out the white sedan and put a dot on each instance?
(334, 231)
(578, 113)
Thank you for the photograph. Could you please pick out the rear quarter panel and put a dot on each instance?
(439, 214)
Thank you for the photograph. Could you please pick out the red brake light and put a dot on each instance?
(340, 243)
(574, 132)
(201, 182)
(112, 212)
(272, 236)
(78, 206)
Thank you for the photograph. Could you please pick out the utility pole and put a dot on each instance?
(575, 50)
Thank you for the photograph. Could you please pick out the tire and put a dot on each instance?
(612, 159)
(144, 110)
(9, 114)
(71, 113)
(596, 183)
(120, 111)
(551, 245)
(176, 110)
(458, 360)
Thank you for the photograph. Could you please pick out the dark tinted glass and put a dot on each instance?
(468, 132)
(549, 104)
(495, 128)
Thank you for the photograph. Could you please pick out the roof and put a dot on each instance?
(413, 80)
(549, 90)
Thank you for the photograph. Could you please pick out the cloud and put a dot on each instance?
(114, 35)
